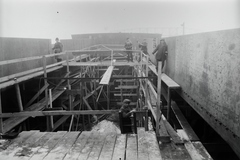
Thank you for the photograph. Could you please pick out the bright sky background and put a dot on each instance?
(62, 18)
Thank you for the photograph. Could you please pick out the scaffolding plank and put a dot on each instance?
(184, 123)
(131, 150)
(38, 144)
(48, 146)
(10, 123)
(126, 94)
(63, 146)
(170, 151)
(167, 80)
(97, 147)
(142, 145)
(16, 144)
(107, 75)
(126, 87)
(195, 155)
(153, 148)
(25, 150)
(74, 152)
(119, 149)
(202, 150)
(107, 150)
(103, 63)
(125, 80)
(88, 146)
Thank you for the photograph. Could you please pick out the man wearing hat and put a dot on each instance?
(58, 48)
(126, 111)
(162, 51)
(128, 47)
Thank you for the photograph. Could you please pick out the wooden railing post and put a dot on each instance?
(111, 57)
(19, 98)
(158, 98)
(1, 121)
(146, 85)
(49, 118)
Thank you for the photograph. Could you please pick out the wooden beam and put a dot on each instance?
(88, 106)
(54, 113)
(19, 60)
(184, 123)
(36, 95)
(146, 85)
(49, 119)
(1, 121)
(158, 97)
(27, 77)
(162, 131)
(107, 75)
(126, 94)
(91, 93)
(126, 87)
(20, 74)
(167, 80)
(131, 103)
(10, 123)
(19, 98)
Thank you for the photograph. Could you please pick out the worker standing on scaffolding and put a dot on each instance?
(128, 47)
(58, 48)
(143, 46)
(126, 111)
(162, 51)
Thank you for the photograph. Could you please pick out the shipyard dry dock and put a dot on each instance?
(187, 110)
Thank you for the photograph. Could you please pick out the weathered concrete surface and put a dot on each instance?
(207, 66)
(15, 48)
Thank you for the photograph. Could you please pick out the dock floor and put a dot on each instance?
(96, 145)
(86, 145)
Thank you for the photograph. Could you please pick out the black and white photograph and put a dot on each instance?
(119, 79)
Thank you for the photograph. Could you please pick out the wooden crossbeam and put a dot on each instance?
(27, 77)
(54, 113)
(126, 94)
(14, 121)
(125, 80)
(36, 95)
(131, 104)
(126, 87)
(104, 63)
(107, 75)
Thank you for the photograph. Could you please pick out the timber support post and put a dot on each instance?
(158, 98)
(49, 119)
(1, 121)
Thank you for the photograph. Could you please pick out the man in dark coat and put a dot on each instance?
(126, 111)
(162, 51)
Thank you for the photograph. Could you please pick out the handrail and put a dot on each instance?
(28, 58)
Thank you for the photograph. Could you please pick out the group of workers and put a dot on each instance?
(160, 51)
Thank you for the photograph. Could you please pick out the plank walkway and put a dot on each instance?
(95, 145)
(103, 63)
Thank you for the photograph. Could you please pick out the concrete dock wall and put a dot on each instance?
(15, 48)
(207, 66)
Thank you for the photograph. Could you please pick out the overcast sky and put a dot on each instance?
(62, 18)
